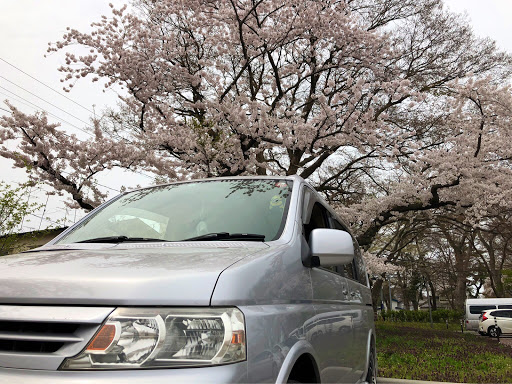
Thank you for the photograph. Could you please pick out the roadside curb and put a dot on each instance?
(383, 380)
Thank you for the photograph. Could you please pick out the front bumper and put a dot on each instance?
(231, 373)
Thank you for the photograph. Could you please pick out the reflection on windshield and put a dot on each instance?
(182, 211)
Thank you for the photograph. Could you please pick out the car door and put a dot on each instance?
(334, 337)
(359, 296)
(505, 321)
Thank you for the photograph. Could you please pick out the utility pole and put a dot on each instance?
(44, 211)
(390, 298)
(23, 218)
(381, 298)
(429, 306)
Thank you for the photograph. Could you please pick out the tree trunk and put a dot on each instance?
(459, 245)
(260, 157)
(402, 282)
(460, 290)
(433, 297)
(413, 294)
(385, 289)
(376, 288)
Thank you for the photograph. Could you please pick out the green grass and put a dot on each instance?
(416, 351)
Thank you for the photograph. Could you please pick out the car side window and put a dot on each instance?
(362, 275)
(347, 270)
(507, 314)
(477, 309)
(317, 218)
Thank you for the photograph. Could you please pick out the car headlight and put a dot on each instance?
(164, 337)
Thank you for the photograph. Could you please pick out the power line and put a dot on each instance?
(94, 182)
(43, 218)
(32, 105)
(44, 110)
(47, 86)
(40, 188)
(48, 212)
(51, 114)
(40, 98)
(154, 178)
(19, 101)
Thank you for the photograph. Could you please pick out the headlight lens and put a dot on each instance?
(165, 337)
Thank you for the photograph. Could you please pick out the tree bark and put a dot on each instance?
(461, 282)
(376, 288)
(433, 293)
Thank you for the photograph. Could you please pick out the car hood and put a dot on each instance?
(174, 274)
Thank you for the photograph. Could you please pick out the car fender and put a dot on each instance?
(299, 348)
(368, 346)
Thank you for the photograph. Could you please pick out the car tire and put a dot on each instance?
(371, 374)
(494, 332)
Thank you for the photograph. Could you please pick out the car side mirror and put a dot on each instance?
(331, 246)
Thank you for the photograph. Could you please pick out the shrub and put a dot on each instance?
(438, 316)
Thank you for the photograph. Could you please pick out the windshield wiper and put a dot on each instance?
(227, 236)
(119, 239)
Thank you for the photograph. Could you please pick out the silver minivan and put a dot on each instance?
(218, 280)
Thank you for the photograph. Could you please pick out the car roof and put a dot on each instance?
(496, 309)
(295, 178)
(491, 301)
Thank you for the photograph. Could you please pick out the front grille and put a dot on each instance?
(29, 346)
(31, 326)
(41, 337)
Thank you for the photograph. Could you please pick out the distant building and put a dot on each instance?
(396, 305)
(441, 302)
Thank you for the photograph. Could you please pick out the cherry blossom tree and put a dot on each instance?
(390, 107)
(492, 244)
(454, 257)
(54, 157)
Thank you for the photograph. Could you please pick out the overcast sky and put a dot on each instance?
(490, 18)
(26, 27)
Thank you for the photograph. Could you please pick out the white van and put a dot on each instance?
(474, 307)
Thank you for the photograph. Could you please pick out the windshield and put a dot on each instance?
(183, 211)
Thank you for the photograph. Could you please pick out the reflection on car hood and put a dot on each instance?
(137, 274)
